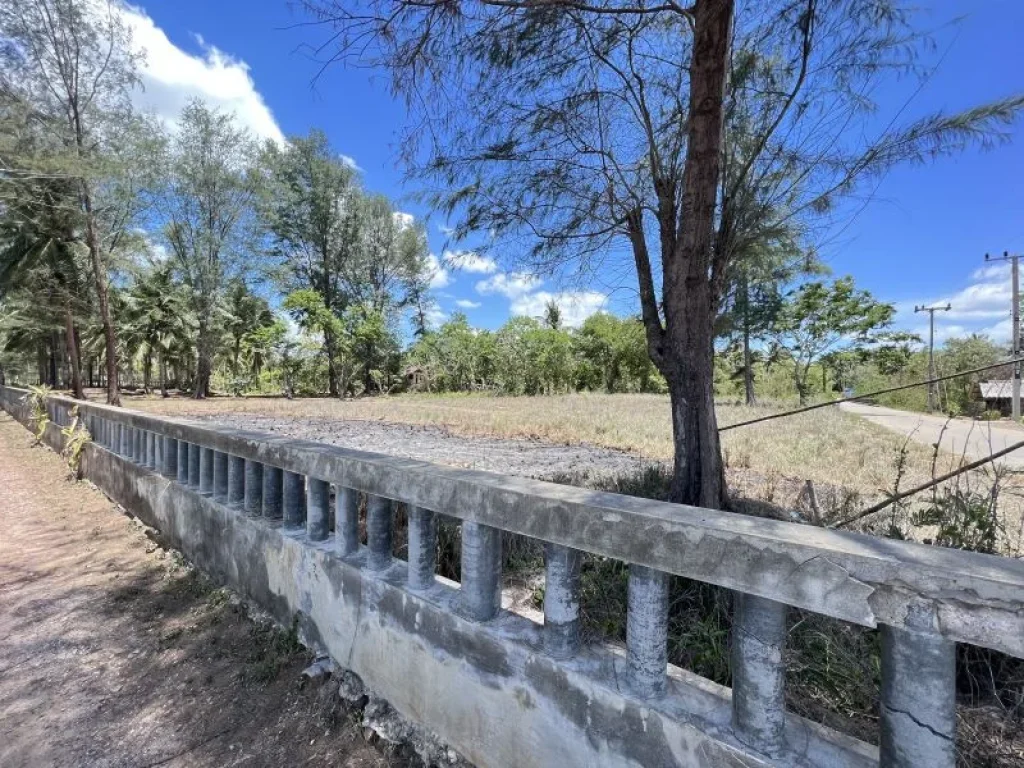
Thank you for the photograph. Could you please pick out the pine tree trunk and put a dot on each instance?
(332, 365)
(204, 362)
(748, 357)
(76, 372)
(690, 295)
(163, 374)
(51, 372)
(102, 298)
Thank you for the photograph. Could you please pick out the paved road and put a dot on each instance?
(976, 439)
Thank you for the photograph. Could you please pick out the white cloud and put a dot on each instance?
(983, 306)
(469, 261)
(439, 276)
(575, 306)
(988, 296)
(509, 284)
(171, 77)
(467, 304)
(350, 162)
(435, 317)
(404, 220)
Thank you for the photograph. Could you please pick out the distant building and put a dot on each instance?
(998, 395)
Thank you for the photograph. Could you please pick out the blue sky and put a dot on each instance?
(920, 239)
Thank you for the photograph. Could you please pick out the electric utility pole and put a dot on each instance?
(931, 349)
(1013, 258)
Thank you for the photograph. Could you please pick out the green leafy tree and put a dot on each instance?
(244, 313)
(207, 209)
(682, 132)
(71, 63)
(817, 318)
(311, 208)
(156, 320)
(613, 354)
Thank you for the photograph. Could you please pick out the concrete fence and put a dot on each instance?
(253, 510)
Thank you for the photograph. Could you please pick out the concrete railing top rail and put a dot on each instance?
(961, 596)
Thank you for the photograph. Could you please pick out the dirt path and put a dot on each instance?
(114, 653)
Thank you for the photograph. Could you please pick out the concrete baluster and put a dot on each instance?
(647, 631)
(272, 492)
(182, 462)
(236, 480)
(346, 521)
(140, 448)
(206, 471)
(759, 672)
(151, 450)
(220, 476)
(422, 548)
(480, 594)
(561, 600)
(918, 708)
(318, 510)
(169, 458)
(195, 461)
(294, 500)
(379, 521)
(253, 500)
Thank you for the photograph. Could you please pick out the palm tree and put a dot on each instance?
(39, 254)
(243, 313)
(156, 321)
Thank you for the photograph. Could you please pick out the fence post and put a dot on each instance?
(480, 595)
(206, 471)
(272, 489)
(195, 453)
(236, 480)
(759, 672)
(318, 509)
(294, 499)
(378, 532)
(169, 464)
(220, 476)
(346, 521)
(647, 630)
(253, 502)
(561, 600)
(182, 462)
(918, 707)
(422, 548)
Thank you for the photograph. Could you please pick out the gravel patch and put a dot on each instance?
(511, 456)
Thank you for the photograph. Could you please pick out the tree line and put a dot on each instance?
(713, 141)
(135, 253)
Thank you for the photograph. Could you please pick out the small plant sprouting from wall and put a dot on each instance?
(37, 403)
(75, 438)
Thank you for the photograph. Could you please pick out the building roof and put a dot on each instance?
(996, 390)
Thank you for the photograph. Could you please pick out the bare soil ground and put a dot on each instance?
(115, 653)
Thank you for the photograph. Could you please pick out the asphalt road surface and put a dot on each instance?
(975, 439)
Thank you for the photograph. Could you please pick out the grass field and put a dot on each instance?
(826, 446)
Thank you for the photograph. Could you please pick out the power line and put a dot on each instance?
(795, 411)
(925, 486)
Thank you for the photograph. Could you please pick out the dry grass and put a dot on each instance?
(826, 446)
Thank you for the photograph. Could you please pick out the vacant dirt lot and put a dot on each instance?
(826, 446)
(115, 653)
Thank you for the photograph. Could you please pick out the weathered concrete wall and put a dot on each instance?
(489, 689)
